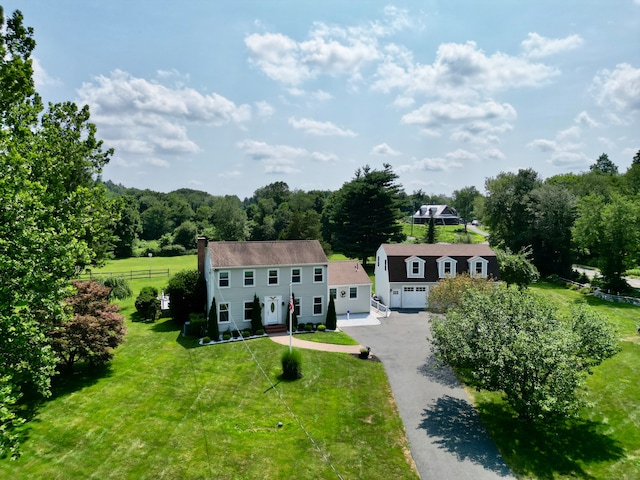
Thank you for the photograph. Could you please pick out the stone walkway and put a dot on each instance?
(297, 342)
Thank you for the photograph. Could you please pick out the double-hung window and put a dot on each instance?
(318, 274)
(317, 305)
(353, 292)
(295, 275)
(223, 312)
(248, 311)
(223, 279)
(273, 277)
(249, 278)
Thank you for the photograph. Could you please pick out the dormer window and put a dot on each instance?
(415, 267)
(478, 267)
(446, 267)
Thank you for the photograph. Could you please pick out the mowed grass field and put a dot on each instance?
(168, 409)
(604, 443)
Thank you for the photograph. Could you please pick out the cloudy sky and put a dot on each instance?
(229, 96)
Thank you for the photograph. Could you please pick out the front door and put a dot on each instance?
(396, 301)
(272, 310)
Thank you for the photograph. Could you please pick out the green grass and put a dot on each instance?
(335, 338)
(444, 233)
(166, 408)
(605, 441)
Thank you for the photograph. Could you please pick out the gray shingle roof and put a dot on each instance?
(255, 254)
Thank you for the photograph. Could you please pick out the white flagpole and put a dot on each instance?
(290, 318)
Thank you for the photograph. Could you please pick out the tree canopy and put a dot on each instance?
(55, 219)
(364, 213)
(514, 342)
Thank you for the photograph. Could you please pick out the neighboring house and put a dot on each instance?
(350, 287)
(442, 214)
(236, 271)
(404, 272)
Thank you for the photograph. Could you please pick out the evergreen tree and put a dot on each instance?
(332, 319)
(256, 315)
(364, 213)
(213, 330)
(431, 230)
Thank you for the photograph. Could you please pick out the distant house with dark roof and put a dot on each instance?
(442, 215)
(350, 286)
(405, 272)
(236, 271)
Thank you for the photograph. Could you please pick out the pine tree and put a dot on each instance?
(332, 319)
(212, 325)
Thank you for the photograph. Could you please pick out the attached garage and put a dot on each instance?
(414, 296)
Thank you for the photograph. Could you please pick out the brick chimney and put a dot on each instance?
(202, 247)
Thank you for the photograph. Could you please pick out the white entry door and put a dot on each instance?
(272, 310)
(396, 299)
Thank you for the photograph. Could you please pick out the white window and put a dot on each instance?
(317, 305)
(295, 275)
(318, 274)
(353, 292)
(415, 267)
(446, 267)
(248, 311)
(273, 277)
(223, 279)
(296, 306)
(333, 292)
(248, 278)
(223, 312)
(478, 267)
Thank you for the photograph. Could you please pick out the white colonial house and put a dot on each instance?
(405, 272)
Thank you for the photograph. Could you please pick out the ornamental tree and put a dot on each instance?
(93, 332)
(514, 342)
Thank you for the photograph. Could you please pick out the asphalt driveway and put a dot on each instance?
(446, 436)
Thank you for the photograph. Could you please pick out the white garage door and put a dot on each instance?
(414, 297)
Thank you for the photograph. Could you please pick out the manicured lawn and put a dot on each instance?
(444, 233)
(166, 408)
(605, 441)
(336, 338)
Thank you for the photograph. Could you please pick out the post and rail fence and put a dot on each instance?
(130, 275)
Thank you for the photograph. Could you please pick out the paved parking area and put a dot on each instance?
(446, 436)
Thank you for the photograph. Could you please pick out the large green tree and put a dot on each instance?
(364, 213)
(54, 220)
(514, 342)
(464, 200)
(551, 211)
(609, 232)
(604, 165)
(506, 212)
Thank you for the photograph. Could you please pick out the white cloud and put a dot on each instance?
(281, 159)
(384, 150)
(563, 151)
(143, 118)
(493, 154)
(315, 127)
(619, 88)
(439, 113)
(571, 133)
(537, 46)
(435, 165)
(264, 109)
(461, 154)
(584, 120)
(459, 70)
(40, 76)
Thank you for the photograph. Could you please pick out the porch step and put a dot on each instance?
(275, 329)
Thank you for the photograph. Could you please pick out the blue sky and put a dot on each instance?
(228, 96)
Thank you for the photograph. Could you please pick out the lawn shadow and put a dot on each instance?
(82, 376)
(548, 450)
(438, 372)
(454, 425)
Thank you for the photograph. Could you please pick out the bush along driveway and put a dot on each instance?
(446, 436)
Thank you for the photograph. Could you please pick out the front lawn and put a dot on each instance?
(335, 338)
(605, 441)
(166, 408)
